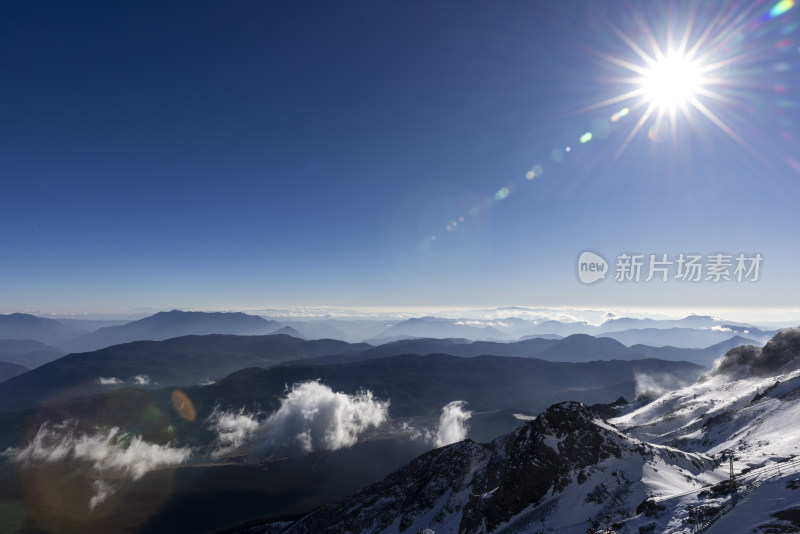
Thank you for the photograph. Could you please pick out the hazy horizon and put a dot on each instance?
(787, 317)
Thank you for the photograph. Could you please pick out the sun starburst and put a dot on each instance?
(681, 67)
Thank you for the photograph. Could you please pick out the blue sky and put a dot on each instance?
(262, 154)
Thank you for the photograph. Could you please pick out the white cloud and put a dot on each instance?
(313, 417)
(452, 424)
(102, 491)
(139, 380)
(451, 428)
(110, 381)
(655, 384)
(233, 429)
(481, 323)
(718, 328)
(107, 450)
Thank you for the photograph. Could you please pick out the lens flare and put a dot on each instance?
(619, 114)
(183, 405)
(780, 8)
(659, 131)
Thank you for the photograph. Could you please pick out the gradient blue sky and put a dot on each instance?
(265, 154)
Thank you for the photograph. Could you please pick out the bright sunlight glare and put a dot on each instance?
(693, 67)
(671, 82)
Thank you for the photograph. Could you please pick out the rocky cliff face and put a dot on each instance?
(541, 458)
(430, 489)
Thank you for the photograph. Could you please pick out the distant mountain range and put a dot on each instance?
(194, 359)
(72, 335)
(436, 327)
(573, 348)
(684, 337)
(78, 335)
(423, 384)
(289, 331)
(25, 326)
(175, 323)
(179, 361)
(507, 328)
(706, 356)
(694, 331)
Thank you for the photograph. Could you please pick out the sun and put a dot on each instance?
(681, 68)
(672, 82)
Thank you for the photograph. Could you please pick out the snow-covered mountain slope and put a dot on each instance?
(563, 469)
(749, 404)
(757, 417)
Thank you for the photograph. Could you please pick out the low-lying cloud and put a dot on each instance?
(653, 385)
(451, 428)
(452, 424)
(476, 322)
(312, 417)
(718, 328)
(233, 429)
(110, 381)
(138, 380)
(109, 452)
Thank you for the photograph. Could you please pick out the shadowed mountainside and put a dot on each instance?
(26, 326)
(28, 353)
(10, 370)
(181, 361)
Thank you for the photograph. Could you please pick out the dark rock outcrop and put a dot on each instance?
(781, 354)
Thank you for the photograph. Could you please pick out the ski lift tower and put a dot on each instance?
(732, 481)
